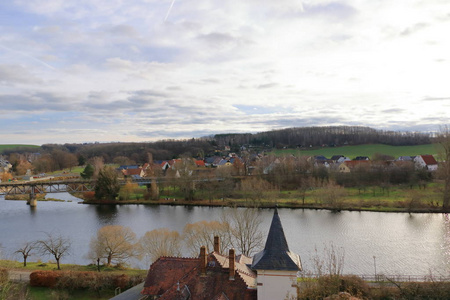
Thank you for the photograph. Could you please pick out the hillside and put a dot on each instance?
(365, 150)
(13, 146)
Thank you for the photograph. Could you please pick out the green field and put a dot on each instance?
(12, 146)
(364, 150)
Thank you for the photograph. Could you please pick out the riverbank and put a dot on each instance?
(51, 266)
(424, 199)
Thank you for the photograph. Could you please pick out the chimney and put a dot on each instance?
(231, 258)
(217, 244)
(203, 261)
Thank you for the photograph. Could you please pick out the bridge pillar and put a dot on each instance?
(32, 200)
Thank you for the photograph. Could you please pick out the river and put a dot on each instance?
(402, 243)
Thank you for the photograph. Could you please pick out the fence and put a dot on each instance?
(389, 278)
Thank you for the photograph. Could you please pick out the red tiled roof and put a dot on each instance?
(170, 277)
(129, 172)
(165, 272)
(429, 160)
(200, 163)
(354, 163)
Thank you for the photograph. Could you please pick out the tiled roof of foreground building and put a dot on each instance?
(181, 278)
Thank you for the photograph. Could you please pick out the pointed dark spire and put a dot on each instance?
(276, 254)
(276, 240)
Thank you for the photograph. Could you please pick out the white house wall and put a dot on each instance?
(276, 285)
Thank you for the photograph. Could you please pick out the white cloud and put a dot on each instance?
(116, 65)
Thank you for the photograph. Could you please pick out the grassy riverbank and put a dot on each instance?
(51, 266)
(426, 198)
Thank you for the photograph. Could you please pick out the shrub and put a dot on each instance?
(89, 195)
(354, 285)
(72, 280)
(3, 275)
(44, 278)
(329, 285)
(122, 281)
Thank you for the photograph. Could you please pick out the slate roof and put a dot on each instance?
(127, 167)
(276, 254)
(336, 157)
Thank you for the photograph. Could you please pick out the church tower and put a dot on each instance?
(276, 266)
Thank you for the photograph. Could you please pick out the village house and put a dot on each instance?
(4, 165)
(271, 274)
(427, 162)
(349, 166)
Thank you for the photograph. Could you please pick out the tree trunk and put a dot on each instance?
(446, 203)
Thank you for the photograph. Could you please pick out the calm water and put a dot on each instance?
(402, 243)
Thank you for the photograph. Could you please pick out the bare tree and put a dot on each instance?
(202, 234)
(96, 252)
(444, 141)
(332, 195)
(185, 177)
(254, 187)
(330, 261)
(244, 229)
(114, 243)
(160, 242)
(98, 163)
(25, 251)
(57, 246)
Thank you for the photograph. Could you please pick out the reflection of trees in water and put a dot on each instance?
(446, 240)
(419, 222)
(106, 214)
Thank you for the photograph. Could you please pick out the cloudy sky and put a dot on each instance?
(144, 70)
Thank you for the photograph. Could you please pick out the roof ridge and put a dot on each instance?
(248, 274)
(178, 257)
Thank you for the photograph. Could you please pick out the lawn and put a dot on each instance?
(41, 293)
(364, 150)
(12, 146)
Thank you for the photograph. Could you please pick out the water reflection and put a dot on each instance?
(106, 214)
(32, 210)
(446, 241)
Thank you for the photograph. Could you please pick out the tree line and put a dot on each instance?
(327, 135)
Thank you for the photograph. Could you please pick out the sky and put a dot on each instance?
(74, 71)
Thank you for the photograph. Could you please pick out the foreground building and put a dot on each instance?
(271, 274)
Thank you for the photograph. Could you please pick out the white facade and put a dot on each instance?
(420, 163)
(276, 285)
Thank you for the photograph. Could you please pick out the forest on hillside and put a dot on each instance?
(302, 137)
(328, 135)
